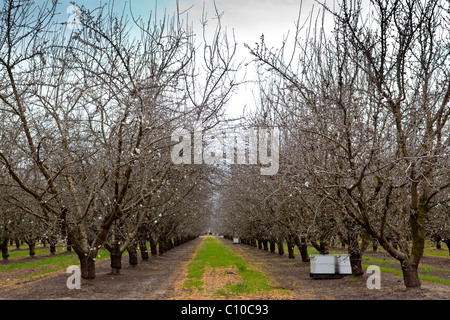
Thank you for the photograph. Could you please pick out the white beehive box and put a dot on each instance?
(236, 240)
(322, 264)
(343, 265)
(330, 266)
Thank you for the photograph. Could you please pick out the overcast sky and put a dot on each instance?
(247, 18)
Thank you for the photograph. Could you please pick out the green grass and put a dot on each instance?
(44, 266)
(49, 265)
(435, 252)
(15, 254)
(40, 262)
(214, 253)
(253, 282)
(102, 254)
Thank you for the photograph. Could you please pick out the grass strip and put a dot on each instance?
(214, 253)
(102, 254)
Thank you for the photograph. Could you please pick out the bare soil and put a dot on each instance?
(292, 274)
(162, 278)
(152, 279)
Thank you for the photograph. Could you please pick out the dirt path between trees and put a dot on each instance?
(219, 278)
(152, 279)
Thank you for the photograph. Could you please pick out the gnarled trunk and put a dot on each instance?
(132, 255)
(355, 252)
(116, 262)
(115, 255)
(32, 248)
(143, 249)
(87, 266)
(356, 263)
(302, 247)
(410, 275)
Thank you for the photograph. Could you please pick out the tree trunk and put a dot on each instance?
(290, 246)
(303, 247)
(115, 255)
(52, 248)
(69, 245)
(375, 246)
(161, 246)
(17, 244)
(410, 266)
(32, 248)
(265, 245)
(323, 247)
(354, 251)
(132, 255)
(447, 242)
(280, 247)
(87, 266)
(438, 244)
(52, 241)
(272, 246)
(356, 263)
(116, 262)
(410, 275)
(5, 253)
(143, 249)
(259, 244)
(153, 247)
(170, 244)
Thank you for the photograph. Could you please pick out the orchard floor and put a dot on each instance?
(292, 274)
(162, 278)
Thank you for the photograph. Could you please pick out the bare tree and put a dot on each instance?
(83, 108)
(368, 106)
